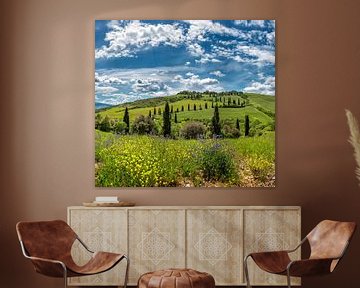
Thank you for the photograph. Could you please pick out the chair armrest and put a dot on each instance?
(309, 267)
(298, 246)
(48, 267)
(83, 244)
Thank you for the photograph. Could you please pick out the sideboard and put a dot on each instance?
(212, 239)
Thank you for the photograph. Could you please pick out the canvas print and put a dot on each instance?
(187, 103)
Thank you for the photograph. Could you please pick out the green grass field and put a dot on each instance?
(151, 161)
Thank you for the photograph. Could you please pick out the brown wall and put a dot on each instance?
(46, 114)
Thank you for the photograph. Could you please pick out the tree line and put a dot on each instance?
(190, 130)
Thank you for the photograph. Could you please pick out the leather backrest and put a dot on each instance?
(329, 238)
(46, 239)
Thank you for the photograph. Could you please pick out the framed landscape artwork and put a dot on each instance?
(187, 103)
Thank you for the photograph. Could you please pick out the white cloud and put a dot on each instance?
(250, 23)
(198, 32)
(217, 73)
(238, 59)
(126, 41)
(261, 55)
(266, 87)
(187, 63)
(112, 24)
(200, 28)
(194, 82)
(131, 76)
(246, 54)
(206, 58)
(106, 79)
(105, 89)
(149, 86)
(195, 49)
(270, 37)
(117, 98)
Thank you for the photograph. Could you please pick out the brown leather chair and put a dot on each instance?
(328, 242)
(48, 245)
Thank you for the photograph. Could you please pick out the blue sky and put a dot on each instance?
(136, 59)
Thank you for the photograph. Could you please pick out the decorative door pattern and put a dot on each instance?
(270, 230)
(208, 239)
(156, 240)
(101, 230)
(214, 239)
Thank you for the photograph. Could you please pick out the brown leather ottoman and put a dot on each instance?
(176, 278)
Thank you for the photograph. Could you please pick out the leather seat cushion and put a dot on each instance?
(176, 278)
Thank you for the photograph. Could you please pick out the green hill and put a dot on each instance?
(258, 107)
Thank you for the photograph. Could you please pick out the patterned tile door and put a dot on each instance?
(101, 230)
(214, 241)
(270, 230)
(157, 240)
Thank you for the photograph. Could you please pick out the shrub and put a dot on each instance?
(193, 130)
(231, 132)
(120, 127)
(143, 125)
(218, 163)
(105, 124)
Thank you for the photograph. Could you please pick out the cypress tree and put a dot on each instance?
(239, 101)
(166, 121)
(194, 107)
(247, 125)
(215, 121)
(229, 101)
(175, 120)
(154, 110)
(126, 120)
(212, 104)
(182, 108)
(237, 124)
(172, 109)
(150, 113)
(205, 105)
(200, 108)
(188, 107)
(177, 110)
(159, 111)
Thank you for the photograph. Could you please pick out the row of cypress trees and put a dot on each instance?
(215, 121)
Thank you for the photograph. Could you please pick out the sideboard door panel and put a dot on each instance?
(214, 244)
(270, 230)
(156, 240)
(101, 230)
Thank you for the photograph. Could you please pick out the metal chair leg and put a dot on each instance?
(127, 271)
(288, 278)
(65, 275)
(246, 270)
